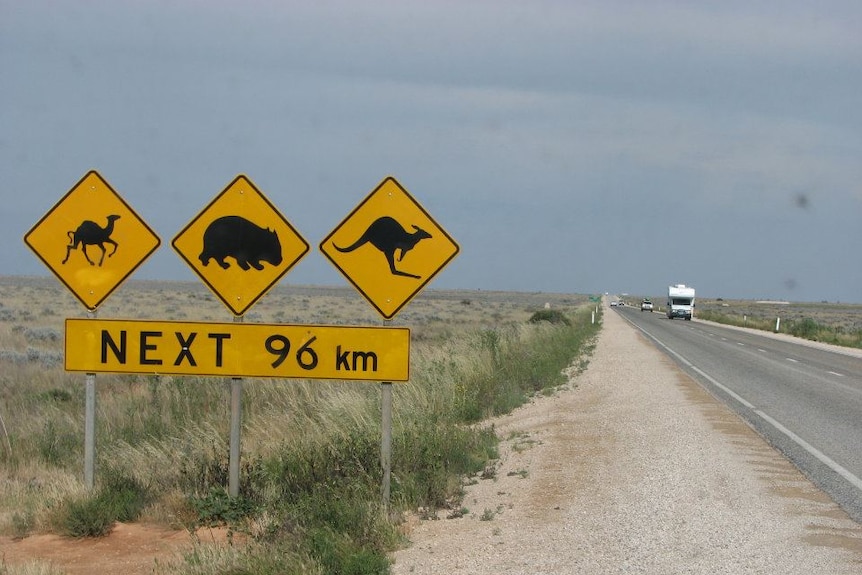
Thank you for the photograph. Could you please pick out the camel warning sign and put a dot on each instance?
(92, 240)
(240, 245)
(389, 247)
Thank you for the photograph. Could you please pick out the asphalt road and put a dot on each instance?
(805, 401)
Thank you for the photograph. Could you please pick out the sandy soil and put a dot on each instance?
(130, 549)
(636, 469)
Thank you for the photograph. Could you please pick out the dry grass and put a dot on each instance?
(38, 399)
(847, 317)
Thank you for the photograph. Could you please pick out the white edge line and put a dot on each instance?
(822, 457)
(700, 372)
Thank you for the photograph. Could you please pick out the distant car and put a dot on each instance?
(646, 305)
(614, 304)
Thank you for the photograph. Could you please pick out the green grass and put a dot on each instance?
(311, 476)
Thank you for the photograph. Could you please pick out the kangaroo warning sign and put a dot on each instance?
(240, 245)
(92, 240)
(389, 247)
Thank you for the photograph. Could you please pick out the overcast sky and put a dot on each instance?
(567, 146)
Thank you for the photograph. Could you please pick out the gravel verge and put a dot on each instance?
(634, 468)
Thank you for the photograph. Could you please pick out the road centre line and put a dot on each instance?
(836, 373)
(791, 359)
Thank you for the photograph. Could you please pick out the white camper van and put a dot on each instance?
(680, 301)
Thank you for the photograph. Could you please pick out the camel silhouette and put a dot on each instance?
(92, 234)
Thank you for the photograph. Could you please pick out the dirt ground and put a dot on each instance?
(130, 549)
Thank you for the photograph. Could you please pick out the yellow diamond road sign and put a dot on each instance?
(389, 247)
(240, 245)
(92, 240)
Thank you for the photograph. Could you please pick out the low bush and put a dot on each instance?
(551, 316)
(120, 498)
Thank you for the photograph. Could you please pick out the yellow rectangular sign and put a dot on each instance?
(238, 349)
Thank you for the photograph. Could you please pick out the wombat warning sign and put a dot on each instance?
(251, 243)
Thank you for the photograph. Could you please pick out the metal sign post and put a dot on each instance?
(386, 437)
(386, 441)
(235, 430)
(90, 426)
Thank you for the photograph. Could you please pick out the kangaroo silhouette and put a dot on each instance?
(388, 236)
(92, 234)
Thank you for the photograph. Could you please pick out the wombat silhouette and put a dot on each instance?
(388, 236)
(90, 233)
(246, 242)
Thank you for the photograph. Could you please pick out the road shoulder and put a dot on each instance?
(633, 467)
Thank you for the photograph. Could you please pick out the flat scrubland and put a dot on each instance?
(310, 478)
(827, 322)
(835, 323)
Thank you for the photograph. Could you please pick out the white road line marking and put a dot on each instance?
(822, 457)
(761, 350)
(740, 343)
(819, 455)
(836, 373)
(700, 372)
(724, 388)
(791, 359)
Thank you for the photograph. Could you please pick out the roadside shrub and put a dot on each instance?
(88, 517)
(339, 554)
(553, 316)
(806, 328)
(219, 508)
(430, 457)
(125, 496)
(120, 498)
